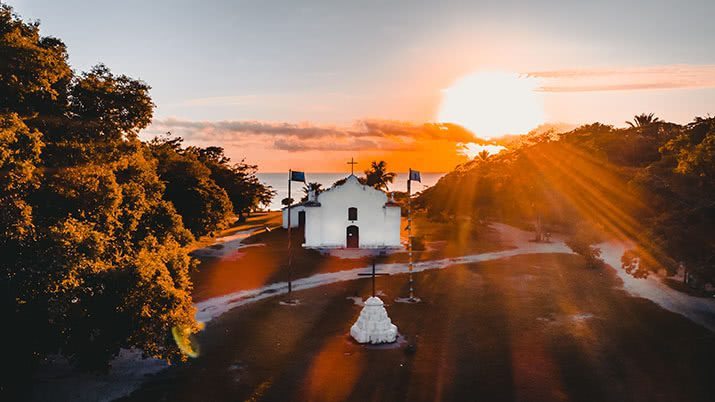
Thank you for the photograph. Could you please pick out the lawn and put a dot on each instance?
(538, 327)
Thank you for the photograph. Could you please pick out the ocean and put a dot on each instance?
(279, 182)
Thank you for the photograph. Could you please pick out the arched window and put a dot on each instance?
(352, 214)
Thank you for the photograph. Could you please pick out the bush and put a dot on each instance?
(582, 245)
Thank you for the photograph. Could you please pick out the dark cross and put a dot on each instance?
(373, 274)
(352, 164)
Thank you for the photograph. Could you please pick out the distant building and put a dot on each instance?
(349, 215)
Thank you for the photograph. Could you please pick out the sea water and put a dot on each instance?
(279, 182)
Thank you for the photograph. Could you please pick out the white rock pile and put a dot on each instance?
(373, 325)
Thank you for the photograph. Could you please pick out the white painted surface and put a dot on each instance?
(374, 325)
(326, 225)
(294, 211)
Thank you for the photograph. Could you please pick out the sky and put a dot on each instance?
(307, 85)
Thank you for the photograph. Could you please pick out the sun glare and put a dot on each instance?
(471, 150)
(492, 104)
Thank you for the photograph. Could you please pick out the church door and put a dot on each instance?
(301, 224)
(301, 218)
(353, 237)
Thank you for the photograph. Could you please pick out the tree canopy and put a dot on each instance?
(94, 223)
(652, 182)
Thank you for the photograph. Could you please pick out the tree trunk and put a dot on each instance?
(539, 236)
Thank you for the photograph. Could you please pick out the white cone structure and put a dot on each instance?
(373, 325)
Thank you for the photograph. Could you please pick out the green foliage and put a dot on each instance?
(203, 205)
(19, 154)
(34, 72)
(581, 243)
(239, 180)
(92, 239)
(313, 186)
(643, 120)
(378, 176)
(652, 183)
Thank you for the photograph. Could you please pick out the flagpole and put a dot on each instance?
(409, 231)
(290, 267)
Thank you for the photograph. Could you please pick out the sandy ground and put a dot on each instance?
(235, 275)
(534, 327)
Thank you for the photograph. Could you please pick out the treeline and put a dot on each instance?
(94, 223)
(206, 189)
(652, 183)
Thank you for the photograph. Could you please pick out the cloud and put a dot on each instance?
(361, 135)
(677, 76)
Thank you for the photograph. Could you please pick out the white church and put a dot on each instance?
(348, 215)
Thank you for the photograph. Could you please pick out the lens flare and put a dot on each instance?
(182, 337)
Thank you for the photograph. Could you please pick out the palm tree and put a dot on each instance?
(313, 186)
(378, 176)
(643, 120)
(483, 155)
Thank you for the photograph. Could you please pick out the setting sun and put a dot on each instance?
(492, 104)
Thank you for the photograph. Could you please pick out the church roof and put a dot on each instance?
(350, 179)
(303, 204)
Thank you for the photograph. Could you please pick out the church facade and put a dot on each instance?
(349, 215)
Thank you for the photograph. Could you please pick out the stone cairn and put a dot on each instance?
(374, 325)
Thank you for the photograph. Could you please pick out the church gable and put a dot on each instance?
(353, 191)
(351, 214)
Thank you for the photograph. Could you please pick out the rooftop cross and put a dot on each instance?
(352, 164)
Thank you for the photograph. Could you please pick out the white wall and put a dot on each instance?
(293, 216)
(326, 226)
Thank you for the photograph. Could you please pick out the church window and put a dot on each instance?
(352, 214)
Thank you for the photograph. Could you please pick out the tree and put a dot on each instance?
(653, 184)
(378, 177)
(94, 257)
(239, 180)
(581, 243)
(312, 186)
(483, 155)
(203, 204)
(34, 73)
(643, 120)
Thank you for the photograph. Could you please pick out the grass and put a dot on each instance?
(533, 327)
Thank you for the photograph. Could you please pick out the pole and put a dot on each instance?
(373, 276)
(409, 230)
(290, 267)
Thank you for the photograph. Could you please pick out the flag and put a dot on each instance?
(297, 176)
(415, 176)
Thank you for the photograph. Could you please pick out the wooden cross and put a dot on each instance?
(373, 274)
(352, 164)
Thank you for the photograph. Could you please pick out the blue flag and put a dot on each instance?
(297, 176)
(415, 176)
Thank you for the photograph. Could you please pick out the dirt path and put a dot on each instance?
(699, 310)
(129, 372)
(532, 327)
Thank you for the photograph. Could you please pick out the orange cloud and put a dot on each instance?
(277, 145)
(677, 76)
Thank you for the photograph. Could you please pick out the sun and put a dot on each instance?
(492, 104)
